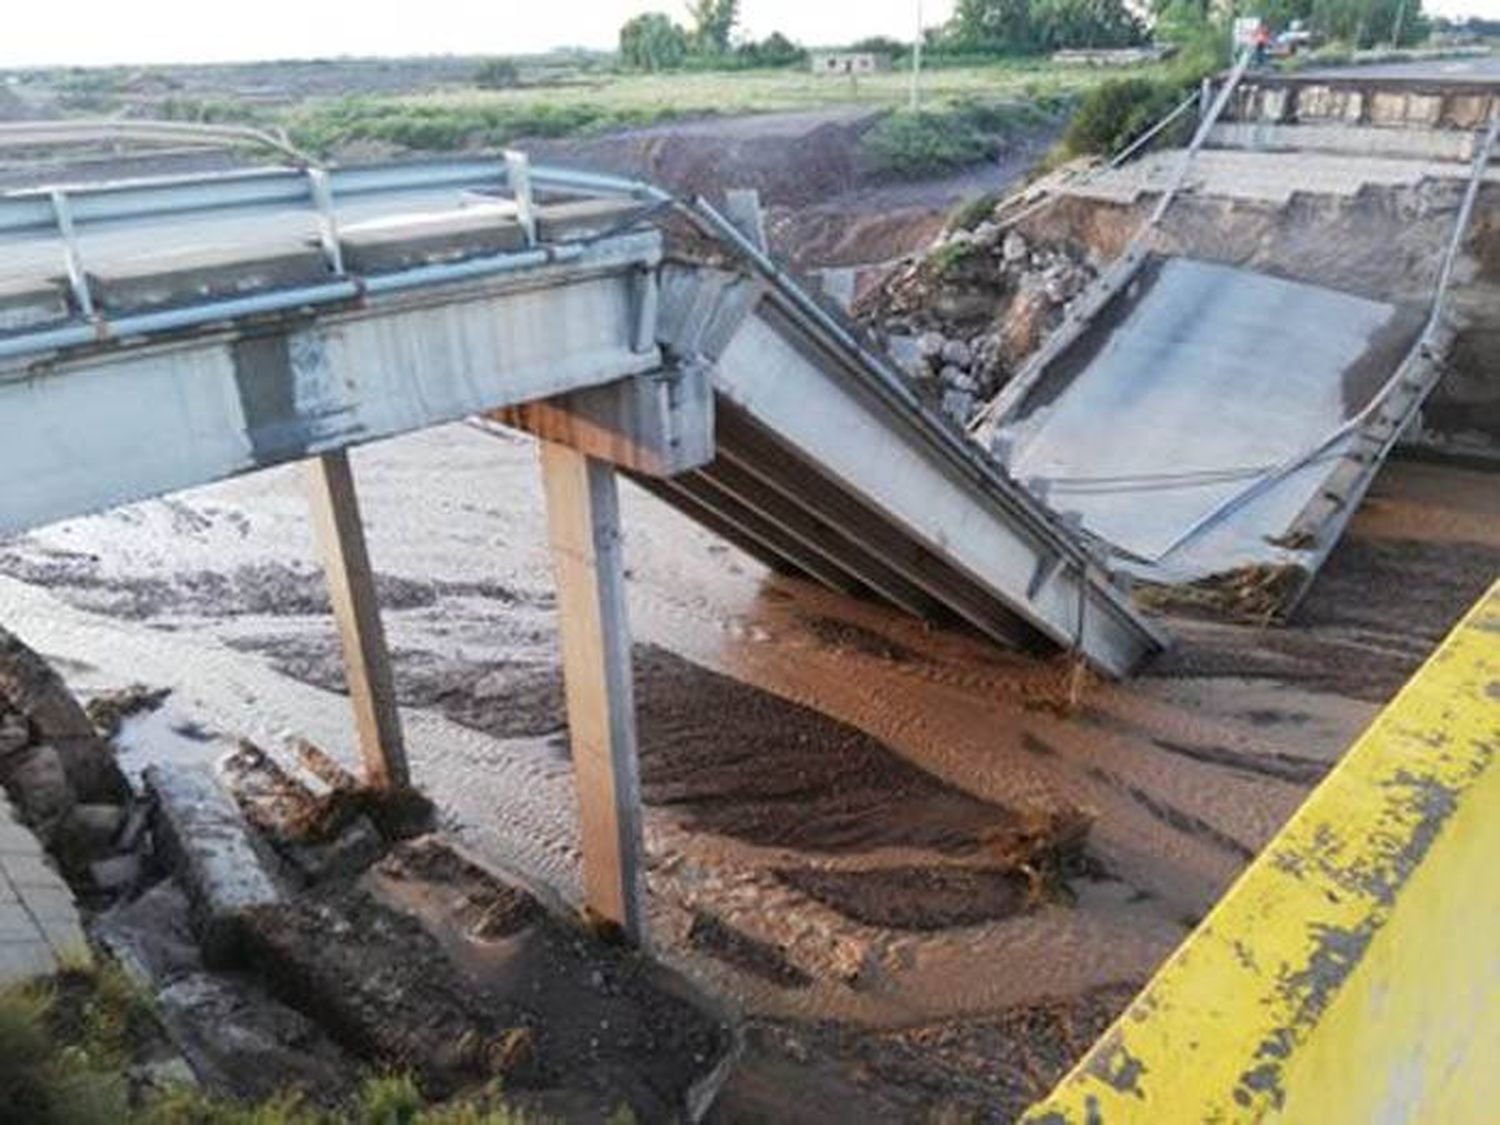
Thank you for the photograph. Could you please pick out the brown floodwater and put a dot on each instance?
(833, 790)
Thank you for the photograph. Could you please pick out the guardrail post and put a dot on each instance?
(351, 587)
(583, 520)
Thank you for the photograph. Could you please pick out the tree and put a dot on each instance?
(1026, 26)
(651, 41)
(1062, 24)
(713, 20)
(1364, 23)
(498, 74)
(992, 25)
(774, 50)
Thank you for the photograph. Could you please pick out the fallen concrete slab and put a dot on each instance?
(203, 832)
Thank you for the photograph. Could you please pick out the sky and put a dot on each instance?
(90, 32)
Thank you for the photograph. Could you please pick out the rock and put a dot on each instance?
(987, 234)
(206, 839)
(930, 345)
(162, 1076)
(94, 826)
(31, 688)
(39, 788)
(118, 875)
(958, 405)
(1025, 324)
(355, 848)
(950, 376)
(959, 237)
(1014, 249)
(1062, 281)
(242, 1042)
(906, 353)
(957, 353)
(108, 710)
(15, 733)
(151, 936)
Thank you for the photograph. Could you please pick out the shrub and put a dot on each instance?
(1117, 112)
(498, 74)
(925, 142)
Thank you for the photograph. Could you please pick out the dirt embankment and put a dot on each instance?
(827, 203)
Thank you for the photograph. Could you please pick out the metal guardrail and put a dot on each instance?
(32, 212)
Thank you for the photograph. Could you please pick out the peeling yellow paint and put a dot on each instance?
(1352, 973)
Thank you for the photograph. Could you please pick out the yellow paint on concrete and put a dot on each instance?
(1352, 974)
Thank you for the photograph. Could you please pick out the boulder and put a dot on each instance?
(987, 234)
(1014, 249)
(958, 405)
(242, 1042)
(1025, 324)
(30, 688)
(38, 785)
(957, 353)
(930, 345)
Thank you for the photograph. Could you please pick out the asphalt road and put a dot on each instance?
(1456, 70)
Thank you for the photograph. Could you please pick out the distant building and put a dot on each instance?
(834, 63)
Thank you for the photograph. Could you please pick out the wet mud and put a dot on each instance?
(979, 1070)
(917, 898)
(840, 801)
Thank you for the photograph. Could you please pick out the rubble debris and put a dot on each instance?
(972, 309)
(109, 710)
(1255, 595)
(241, 1042)
(200, 828)
(546, 1010)
(30, 689)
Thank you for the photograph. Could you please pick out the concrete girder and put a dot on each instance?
(108, 424)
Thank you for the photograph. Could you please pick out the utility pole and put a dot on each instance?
(916, 63)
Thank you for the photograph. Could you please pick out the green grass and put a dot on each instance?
(488, 118)
(66, 1042)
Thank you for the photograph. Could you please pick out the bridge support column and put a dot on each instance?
(583, 520)
(351, 587)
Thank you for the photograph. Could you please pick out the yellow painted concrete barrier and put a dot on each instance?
(1352, 974)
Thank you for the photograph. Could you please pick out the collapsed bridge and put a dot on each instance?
(159, 334)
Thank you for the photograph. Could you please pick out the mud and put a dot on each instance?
(717, 939)
(784, 730)
(917, 898)
(986, 1070)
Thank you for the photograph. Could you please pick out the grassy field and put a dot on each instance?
(473, 117)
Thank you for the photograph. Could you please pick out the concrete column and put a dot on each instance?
(583, 518)
(351, 587)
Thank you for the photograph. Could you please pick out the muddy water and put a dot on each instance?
(824, 779)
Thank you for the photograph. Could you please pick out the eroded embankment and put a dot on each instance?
(1381, 241)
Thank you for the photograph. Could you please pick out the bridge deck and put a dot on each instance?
(1194, 383)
